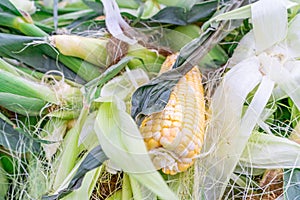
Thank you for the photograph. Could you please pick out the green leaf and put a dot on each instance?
(6, 5)
(153, 97)
(41, 57)
(112, 71)
(4, 184)
(181, 16)
(16, 139)
(291, 179)
(123, 86)
(20, 86)
(96, 6)
(124, 146)
(94, 159)
(22, 105)
(70, 150)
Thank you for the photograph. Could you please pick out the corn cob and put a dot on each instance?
(174, 136)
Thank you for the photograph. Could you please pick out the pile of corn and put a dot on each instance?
(70, 72)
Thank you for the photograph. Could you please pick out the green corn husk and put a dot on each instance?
(65, 114)
(20, 86)
(92, 50)
(88, 184)
(70, 151)
(20, 24)
(122, 143)
(53, 131)
(23, 105)
(16, 71)
(126, 187)
(65, 19)
(37, 57)
(152, 60)
(3, 182)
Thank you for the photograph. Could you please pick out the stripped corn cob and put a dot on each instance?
(174, 136)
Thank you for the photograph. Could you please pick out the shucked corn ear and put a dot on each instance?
(174, 136)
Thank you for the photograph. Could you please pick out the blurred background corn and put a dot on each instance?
(174, 137)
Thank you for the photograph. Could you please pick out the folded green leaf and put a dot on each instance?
(95, 5)
(124, 146)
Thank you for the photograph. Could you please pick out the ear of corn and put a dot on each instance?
(174, 136)
(20, 86)
(90, 49)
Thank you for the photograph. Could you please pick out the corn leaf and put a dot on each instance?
(23, 105)
(270, 152)
(13, 46)
(263, 17)
(92, 89)
(240, 13)
(14, 70)
(122, 86)
(87, 186)
(20, 24)
(291, 178)
(226, 136)
(16, 139)
(6, 5)
(70, 151)
(94, 159)
(95, 5)
(20, 86)
(88, 138)
(44, 58)
(181, 16)
(124, 146)
(244, 50)
(283, 77)
(244, 12)
(293, 37)
(25, 6)
(53, 131)
(4, 184)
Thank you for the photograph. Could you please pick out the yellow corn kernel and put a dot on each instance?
(180, 124)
